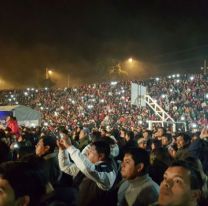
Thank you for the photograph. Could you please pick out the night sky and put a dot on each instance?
(83, 39)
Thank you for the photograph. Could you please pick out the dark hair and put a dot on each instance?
(115, 133)
(174, 147)
(163, 156)
(185, 136)
(11, 117)
(130, 134)
(104, 129)
(39, 163)
(140, 156)
(63, 130)
(102, 147)
(148, 131)
(24, 180)
(156, 142)
(96, 135)
(164, 130)
(4, 152)
(2, 133)
(196, 179)
(168, 136)
(49, 141)
(123, 129)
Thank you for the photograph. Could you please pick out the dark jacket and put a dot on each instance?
(199, 149)
(52, 168)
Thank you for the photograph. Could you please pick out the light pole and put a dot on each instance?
(47, 73)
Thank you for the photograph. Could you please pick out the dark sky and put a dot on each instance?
(84, 38)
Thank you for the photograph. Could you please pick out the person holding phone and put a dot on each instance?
(92, 170)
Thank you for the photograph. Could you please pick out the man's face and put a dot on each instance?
(128, 167)
(82, 134)
(93, 155)
(180, 142)
(40, 149)
(175, 189)
(145, 135)
(78, 129)
(160, 132)
(103, 133)
(122, 133)
(8, 118)
(165, 140)
(7, 195)
(142, 144)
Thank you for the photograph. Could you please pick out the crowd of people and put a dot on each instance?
(183, 97)
(94, 148)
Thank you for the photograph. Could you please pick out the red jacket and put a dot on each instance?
(12, 124)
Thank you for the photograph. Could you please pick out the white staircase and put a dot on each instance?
(159, 111)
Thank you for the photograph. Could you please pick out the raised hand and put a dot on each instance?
(204, 133)
(65, 141)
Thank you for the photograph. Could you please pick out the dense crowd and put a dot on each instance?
(184, 97)
(102, 166)
(94, 148)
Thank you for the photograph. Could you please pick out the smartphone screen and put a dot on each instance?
(61, 135)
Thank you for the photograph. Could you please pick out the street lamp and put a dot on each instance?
(48, 73)
(130, 60)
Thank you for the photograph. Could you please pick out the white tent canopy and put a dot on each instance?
(25, 115)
